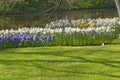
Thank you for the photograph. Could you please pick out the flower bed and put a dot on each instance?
(61, 33)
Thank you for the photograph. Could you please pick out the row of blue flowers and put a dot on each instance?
(24, 40)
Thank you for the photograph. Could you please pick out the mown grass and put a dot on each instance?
(61, 63)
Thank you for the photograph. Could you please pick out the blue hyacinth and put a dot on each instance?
(1, 39)
(34, 37)
(43, 38)
(19, 39)
(29, 38)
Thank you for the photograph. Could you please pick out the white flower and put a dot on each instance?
(118, 22)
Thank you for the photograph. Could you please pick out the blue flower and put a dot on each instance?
(48, 38)
(22, 37)
(29, 38)
(52, 37)
(34, 37)
(43, 38)
(8, 37)
(1, 39)
(15, 39)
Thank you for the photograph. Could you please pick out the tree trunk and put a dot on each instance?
(118, 6)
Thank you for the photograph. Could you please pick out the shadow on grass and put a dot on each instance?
(79, 59)
(70, 71)
(83, 60)
(76, 72)
(64, 53)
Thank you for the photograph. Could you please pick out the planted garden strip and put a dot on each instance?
(62, 33)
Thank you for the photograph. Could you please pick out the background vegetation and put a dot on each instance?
(32, 6)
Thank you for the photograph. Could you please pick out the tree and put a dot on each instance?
(118, 6)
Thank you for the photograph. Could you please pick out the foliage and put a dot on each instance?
(117, 32)
(32, 6)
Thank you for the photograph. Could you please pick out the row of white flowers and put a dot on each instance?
(99, 22)
(67, 30)
(105, 25)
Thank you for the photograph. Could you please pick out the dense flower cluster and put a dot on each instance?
(19, 40)
(23, 37)
(59, 24)
(95, 22)
(82, 23)
(56, 30)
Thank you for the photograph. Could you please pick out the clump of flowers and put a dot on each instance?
(24, 40)
(58, 24)
(95, 22)
(84, 23)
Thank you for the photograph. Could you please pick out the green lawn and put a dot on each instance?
(61, 63)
